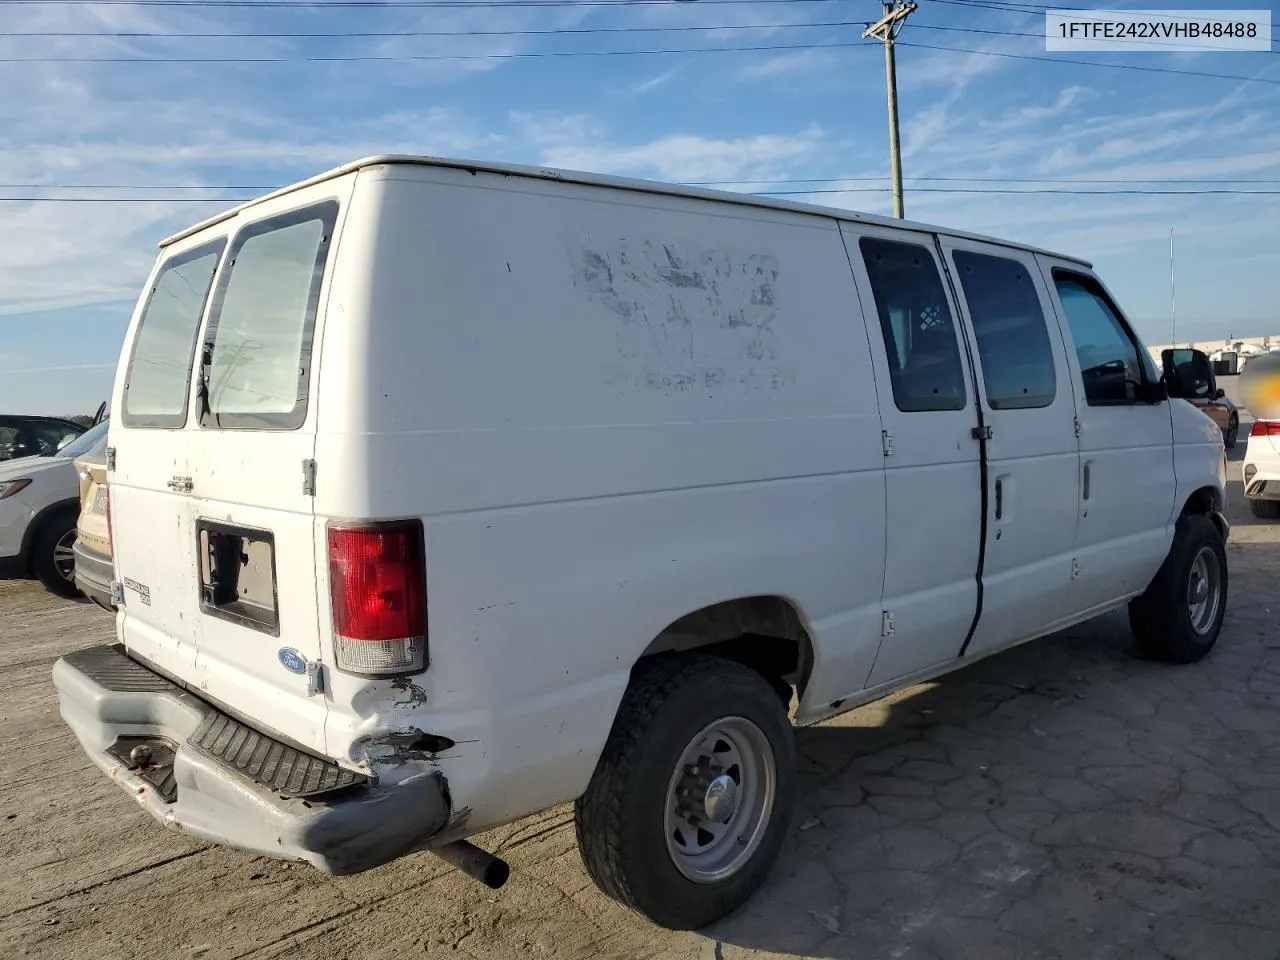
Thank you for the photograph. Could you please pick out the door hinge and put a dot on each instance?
(315, 678)
(1075, 568)
(111, 459)
(886, 442)
(981, 433)
(309, 478)
(886, 624)
(1077, 419)
(117, 593)
(180, 485)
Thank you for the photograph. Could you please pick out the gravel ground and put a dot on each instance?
(1064, 799)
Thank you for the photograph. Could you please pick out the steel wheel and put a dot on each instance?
(64, 557)
(720, 799)
(1204, 591)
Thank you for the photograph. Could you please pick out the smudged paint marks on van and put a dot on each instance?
(690, 316)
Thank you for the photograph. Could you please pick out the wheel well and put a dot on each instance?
(766, 634)
(1207, 501)
(40, 521)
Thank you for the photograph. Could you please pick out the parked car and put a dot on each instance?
(1261, 468)
(35, 436)
(1203, 392)
(39, 504)
(444, 493)
(93, 570)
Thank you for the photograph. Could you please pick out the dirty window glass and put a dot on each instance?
(257, 356)
(919, 333)
(156, 383)
(1110, 366)
(1013, 339)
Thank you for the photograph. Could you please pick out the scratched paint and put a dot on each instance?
(686, 317)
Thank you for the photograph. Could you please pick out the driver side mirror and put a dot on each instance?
(1189, 375)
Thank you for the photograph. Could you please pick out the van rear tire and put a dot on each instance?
(1180, 615)
(692, 797)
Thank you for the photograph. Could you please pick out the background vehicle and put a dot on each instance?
(35, 436)
(1261, 468)
(1202, 391)
(93, 570)
(39, 505)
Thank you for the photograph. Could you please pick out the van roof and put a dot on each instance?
(617, 183)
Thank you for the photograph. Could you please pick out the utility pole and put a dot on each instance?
(885, 30)
(1173, 294)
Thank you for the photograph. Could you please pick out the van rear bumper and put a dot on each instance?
(203, 773)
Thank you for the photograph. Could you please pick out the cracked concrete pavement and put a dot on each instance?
(1064, 799)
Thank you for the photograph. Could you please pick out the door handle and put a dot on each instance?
(999, 498)
(1088, 465)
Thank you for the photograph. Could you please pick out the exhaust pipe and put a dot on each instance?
(475, 863)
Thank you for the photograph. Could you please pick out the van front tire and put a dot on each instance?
(1180, 615)
(691, 800)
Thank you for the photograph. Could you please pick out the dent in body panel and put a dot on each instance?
(688, 317)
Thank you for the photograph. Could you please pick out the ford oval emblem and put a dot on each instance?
(292, 660)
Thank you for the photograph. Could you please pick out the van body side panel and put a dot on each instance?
(610, 410)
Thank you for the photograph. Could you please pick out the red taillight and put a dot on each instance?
(378, 587)
(1265, 428)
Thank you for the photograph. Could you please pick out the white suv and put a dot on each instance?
(443, 493)
(39, 504)
(1261, 469)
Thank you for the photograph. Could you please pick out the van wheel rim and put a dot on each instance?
(1204, 591)
(64, 557)
(720, 800)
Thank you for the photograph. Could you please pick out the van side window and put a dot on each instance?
(256, 363)
(1111, 365)
(159, 372)
(1013, 339)
(919, 331)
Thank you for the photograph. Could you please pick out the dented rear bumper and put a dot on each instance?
(203, 773)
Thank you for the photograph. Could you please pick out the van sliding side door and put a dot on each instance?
(934, 485)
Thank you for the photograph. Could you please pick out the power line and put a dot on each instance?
(450, 57)
(402, 4)
(960, 191)
(559, 54)
(395, 34)
(1093, 63)
(761, 181)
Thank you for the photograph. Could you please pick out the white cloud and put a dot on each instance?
(799, 61)
(654, 82)
(574, 142)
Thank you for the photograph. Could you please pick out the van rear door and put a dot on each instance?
(147, 461)
(251, 466)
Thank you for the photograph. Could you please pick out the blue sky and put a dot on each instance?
(69, 272)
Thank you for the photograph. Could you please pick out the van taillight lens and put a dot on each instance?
(1265, 428)
(378, 586)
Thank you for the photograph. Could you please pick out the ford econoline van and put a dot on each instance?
(444, 493)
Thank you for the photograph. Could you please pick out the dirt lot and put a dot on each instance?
(1061, 800)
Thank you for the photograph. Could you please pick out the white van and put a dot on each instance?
(445, 493)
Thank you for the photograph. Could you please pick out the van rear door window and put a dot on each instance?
(157, 381)
(256, 361)
(919, 331)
